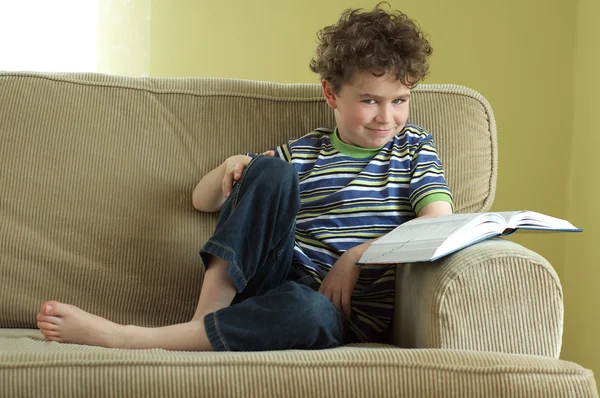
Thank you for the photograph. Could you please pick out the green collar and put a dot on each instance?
(351, 150)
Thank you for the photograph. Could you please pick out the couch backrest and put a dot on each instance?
(96, 175)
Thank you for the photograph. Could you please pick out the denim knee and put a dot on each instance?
(291, 316)
(255, 229)
(275, 172)
(324, 322)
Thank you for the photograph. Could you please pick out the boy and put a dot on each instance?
(281, 267)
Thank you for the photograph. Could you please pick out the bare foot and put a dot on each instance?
(66, 323)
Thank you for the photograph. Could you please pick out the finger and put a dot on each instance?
(269, 153)
(326, 292)
(323, 286)
(346, 301)
(237, 172)
(227, 183)
(329, 296)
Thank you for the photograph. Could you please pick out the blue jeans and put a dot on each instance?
(277, 306)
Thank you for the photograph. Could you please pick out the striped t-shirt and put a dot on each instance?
(350, 195)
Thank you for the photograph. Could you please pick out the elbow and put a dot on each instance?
(197, 205)
(197, 201)
(201, 205)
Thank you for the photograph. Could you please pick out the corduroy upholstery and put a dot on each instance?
(31, 367)
(96, 175)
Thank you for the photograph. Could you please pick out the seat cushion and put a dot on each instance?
(30, 366)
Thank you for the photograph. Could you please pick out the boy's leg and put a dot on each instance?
(251, 249)
(252, 245)
(217, 289)
(291, 316)
(66, 323)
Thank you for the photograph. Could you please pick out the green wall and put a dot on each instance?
(519, 54)
(582, 276)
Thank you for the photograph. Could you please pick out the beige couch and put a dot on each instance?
(96, 175)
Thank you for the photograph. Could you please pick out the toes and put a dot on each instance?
(41, 317)
(50, 319)
(50, 333)
(47, 326)
(50, 308)
(54, 338)
(55, 308)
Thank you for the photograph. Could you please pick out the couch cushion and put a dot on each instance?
(30, 366)
(96, 175)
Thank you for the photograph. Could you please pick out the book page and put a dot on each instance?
(509, 216)
(427, 229)
(533, 220)
(410, 251)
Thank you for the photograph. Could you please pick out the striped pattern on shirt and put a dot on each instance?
(350, 195)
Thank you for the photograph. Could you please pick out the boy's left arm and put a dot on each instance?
(435, 209)
(341, 279)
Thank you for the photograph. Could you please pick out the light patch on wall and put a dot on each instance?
(54, 36)
(123, 44)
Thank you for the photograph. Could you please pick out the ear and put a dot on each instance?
(330, 96)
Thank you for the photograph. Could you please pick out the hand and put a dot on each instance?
(234, 167)
(340, 282)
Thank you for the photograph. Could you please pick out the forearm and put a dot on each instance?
(208, 194)
(212, 190)
(354, 254)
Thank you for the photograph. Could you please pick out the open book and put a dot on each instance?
(431, 238)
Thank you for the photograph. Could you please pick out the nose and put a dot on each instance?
(384, 115)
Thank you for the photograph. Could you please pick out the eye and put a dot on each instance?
(369, 101)
(398, 101)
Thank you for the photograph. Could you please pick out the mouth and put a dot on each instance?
(379, 131)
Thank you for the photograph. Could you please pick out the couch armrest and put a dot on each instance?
(493, 296)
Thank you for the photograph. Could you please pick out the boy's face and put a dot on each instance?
(370, 110)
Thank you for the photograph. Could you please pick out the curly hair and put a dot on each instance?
(378, 41)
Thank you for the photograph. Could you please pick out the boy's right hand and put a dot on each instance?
(234, 167)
